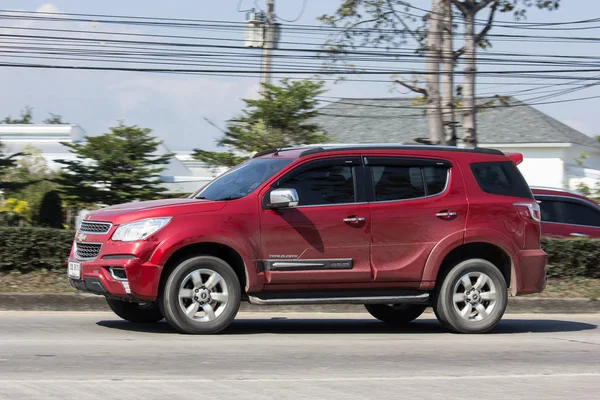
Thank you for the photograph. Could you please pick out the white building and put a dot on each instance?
(177, 176)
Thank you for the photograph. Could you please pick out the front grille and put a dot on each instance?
(87, 250)
(94, 227)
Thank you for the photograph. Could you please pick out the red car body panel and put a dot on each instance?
(405, 232)
(400, 244)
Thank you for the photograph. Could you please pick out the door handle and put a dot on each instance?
(354, 220)
(581, 235)
(446, 214)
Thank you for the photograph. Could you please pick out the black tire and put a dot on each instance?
(180, 276)
(481, 313)
(135, 312)
(396, 314)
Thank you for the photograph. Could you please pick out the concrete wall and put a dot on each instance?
(582, 166)
(541, 166)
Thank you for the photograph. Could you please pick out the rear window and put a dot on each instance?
(501, 178)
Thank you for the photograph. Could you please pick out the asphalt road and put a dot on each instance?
(302, 356)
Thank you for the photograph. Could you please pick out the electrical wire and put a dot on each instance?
(302, 10)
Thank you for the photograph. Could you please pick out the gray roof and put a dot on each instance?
(397, 120)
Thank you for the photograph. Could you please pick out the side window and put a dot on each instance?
(399, 180)
(548, 210)
(394, 182)
(501, 178)
(578, 214)
(435, 178)
(333, 184)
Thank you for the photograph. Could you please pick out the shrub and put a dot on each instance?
(51, 212)
(27, 249)
(572, 257)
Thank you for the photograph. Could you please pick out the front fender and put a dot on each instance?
(183, 238)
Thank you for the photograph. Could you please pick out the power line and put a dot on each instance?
(299, 15)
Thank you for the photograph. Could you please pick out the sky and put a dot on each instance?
(175, 106)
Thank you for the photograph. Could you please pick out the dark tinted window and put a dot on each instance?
(577, 213)
(323, 185)
(435, 178)
(394, 182)
(548, 209)
(501, 178)
(569, 212)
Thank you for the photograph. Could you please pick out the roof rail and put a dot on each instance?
(265, 152)
(322, 148)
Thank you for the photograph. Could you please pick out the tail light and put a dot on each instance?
(529, 211)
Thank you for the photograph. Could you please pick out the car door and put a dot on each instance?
(415, 204)
(567, 217)
(326, 238)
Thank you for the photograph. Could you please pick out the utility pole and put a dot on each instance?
(268, 46)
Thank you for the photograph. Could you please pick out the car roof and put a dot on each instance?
(550, 191)
(296, 152)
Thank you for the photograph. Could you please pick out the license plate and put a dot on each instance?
(74, 270)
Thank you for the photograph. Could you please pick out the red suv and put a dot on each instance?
(567, 214)
(396, 228)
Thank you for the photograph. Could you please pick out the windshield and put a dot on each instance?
(240, 181)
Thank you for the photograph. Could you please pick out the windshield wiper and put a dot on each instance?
(229, 198)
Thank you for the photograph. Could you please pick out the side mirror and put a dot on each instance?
(280, 198)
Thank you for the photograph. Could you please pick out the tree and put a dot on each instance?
(15, 212)
(51, 211)
(387, 24)
(7, 163)
(26, 117)
(469, 9)
(280, 119)
(30, 178)
(448, 60)
(54, 119)
(117, 167)
(433, 54)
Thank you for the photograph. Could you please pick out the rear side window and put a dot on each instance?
(394, 182)
(436, 179)
(399, 182)
(501, 178)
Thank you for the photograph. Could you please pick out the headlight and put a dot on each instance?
(139, 230)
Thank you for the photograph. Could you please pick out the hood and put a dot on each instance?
(129, 212)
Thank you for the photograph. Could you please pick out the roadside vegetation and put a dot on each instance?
(25, 266)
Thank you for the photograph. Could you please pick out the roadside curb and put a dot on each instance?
(90, 302)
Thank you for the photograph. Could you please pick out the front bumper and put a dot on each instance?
(95, 286)
(528, 272)
(141, 276)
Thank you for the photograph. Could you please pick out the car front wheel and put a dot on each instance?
(201, 295)
(472, 298)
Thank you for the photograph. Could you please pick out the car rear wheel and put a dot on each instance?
(395, 314)
(202, 295)
(472, 297)
(135, 312)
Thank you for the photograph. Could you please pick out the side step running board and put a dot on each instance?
(339, 297)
